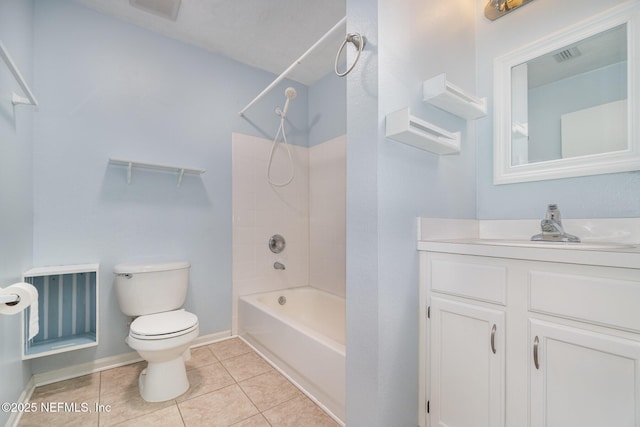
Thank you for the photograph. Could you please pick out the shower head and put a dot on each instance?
(290, 93)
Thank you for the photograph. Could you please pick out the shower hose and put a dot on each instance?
(273, 149)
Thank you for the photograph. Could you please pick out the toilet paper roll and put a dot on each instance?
(28, 295)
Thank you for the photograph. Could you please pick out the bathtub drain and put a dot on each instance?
(282, 300)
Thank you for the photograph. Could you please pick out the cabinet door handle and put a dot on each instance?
(536, 342)
(493, 338)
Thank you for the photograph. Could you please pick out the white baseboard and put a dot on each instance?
(111, 362)
(211, 338)
(14, 418)
(133, 357)
(95, 366)
(85, 368)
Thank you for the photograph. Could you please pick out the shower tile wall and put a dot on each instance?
(327, 210)
(261, 210)
(309, 213)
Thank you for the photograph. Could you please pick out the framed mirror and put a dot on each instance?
(568, 105)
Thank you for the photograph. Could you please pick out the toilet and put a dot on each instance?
(162, 331)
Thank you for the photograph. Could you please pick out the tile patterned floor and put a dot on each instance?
(231, 385)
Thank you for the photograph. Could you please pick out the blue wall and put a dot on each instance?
(599, 196)
(389, 184)
(111, 89)
(16, 188)
(125, 92)
(413, 182)
(549, 102)
(362, 335)
(327, 109)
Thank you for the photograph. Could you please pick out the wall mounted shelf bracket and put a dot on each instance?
(158, 167)
(17, 99)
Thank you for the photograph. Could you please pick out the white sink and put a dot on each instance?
(553, 245)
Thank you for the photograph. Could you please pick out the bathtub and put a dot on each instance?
(304, 337)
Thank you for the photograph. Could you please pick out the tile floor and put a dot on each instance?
(231, 385)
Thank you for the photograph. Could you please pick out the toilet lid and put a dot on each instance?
(166, 323)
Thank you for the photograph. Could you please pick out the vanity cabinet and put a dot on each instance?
(515, 341)
(580, 377)
(468, 369)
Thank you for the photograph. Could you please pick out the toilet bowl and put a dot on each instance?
(161, 332)
(162, 339)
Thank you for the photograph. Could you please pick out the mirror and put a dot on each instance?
(567, 105)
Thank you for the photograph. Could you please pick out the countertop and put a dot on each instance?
(623, 257)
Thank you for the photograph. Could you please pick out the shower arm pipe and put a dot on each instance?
(295, 63)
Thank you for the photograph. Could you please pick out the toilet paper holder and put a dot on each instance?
(10, 299)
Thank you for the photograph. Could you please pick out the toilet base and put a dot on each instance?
(162, 381)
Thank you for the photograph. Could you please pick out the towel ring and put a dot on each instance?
(359, 42)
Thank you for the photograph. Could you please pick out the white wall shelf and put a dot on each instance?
(401, 126)
(67, 309)
(448, 97)
(129, 164)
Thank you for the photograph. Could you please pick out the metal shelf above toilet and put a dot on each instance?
(180, 170)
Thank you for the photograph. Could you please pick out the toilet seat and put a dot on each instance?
(160, 326)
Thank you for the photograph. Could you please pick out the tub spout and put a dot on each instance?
(278, 265)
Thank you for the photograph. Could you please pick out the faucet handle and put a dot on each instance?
(553, 213)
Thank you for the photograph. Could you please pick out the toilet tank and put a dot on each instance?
(151, 287)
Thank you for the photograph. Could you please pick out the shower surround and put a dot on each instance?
(310, 214)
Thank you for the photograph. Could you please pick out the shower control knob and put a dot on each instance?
(277, 243)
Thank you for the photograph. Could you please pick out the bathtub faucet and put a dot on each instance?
(278, 265)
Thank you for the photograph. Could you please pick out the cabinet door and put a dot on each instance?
(582, 378)
(467, 365)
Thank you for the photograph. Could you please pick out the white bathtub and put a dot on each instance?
(305, 338)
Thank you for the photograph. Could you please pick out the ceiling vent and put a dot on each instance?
(164, 8)
(567, 54)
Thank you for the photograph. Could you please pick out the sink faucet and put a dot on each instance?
(552, 230)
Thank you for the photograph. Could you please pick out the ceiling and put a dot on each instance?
(592, 53)
(266, 34)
